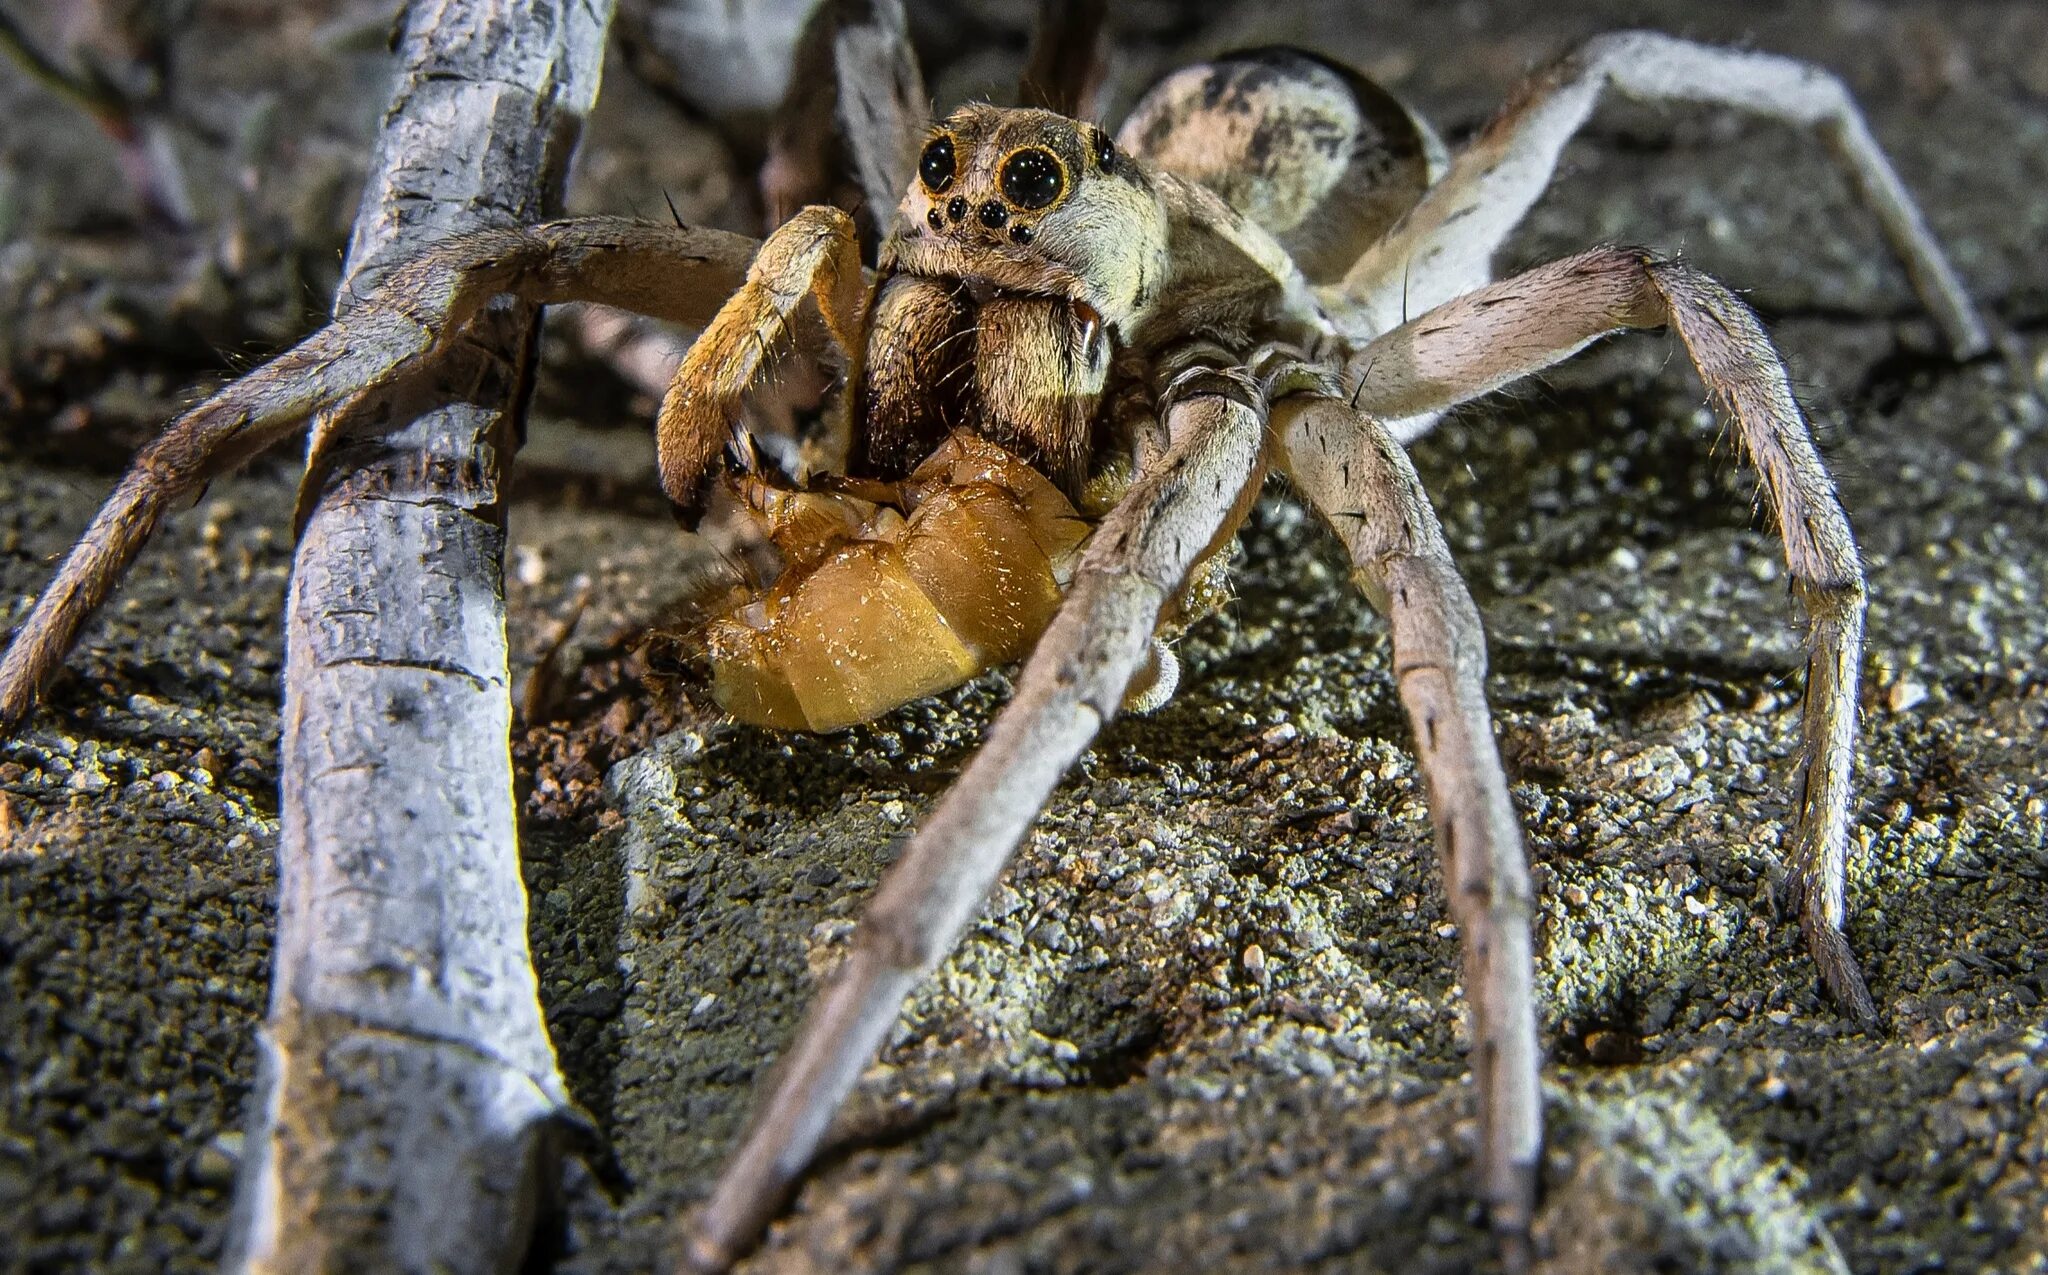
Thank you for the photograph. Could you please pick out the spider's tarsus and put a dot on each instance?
(1840, 972)
(15, 705)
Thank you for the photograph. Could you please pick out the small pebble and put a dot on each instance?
(528, 566)
(1904, 694)
(211, 1168)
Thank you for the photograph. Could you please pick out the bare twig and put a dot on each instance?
(729, 59)
(407, 1106)
(856, 107)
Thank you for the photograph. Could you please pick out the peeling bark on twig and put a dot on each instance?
(409, 1097)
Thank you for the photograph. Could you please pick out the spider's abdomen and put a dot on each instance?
(1310, 150)
(894, 591)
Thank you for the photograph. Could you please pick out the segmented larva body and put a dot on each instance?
(894, 591)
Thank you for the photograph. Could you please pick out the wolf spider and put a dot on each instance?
(1065, 381)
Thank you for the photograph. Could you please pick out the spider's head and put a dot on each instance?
(1032, 202)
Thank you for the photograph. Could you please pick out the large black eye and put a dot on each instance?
(935, 166)
(1031, 178)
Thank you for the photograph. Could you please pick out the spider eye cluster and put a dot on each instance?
(1032, 178)
(936, 166)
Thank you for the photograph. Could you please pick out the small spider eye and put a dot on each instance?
(1105, 152)
(1032, 178)
(935, 166)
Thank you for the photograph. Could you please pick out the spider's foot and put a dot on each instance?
(1154, 684)
(20, 684)
(1839, 970)
(703, 1255)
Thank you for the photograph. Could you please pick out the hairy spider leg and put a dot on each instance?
(815, 254)
(1510, 329)
(1358, 479)
(1066, 69)
(1445, 245)
(670, 272)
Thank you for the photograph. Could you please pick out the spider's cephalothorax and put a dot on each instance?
(1024, 249)
(1041, 288)
(1077, 336)
(1018, 314)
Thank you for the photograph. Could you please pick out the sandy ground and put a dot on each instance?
(1212, 1019)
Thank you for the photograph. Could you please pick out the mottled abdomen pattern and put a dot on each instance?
(1312, 151)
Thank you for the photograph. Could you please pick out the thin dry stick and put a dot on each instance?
(406, 1110)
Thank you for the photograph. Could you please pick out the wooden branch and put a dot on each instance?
(407, 1107)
